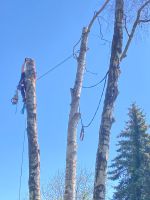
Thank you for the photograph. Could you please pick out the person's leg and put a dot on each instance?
(23, 93)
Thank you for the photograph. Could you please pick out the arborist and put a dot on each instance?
(21, 87)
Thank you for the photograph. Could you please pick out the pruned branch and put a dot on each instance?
(96, 14)
(135, 24)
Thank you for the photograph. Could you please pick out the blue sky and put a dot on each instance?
(47, 31)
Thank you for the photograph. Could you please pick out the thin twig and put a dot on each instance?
(125, 20)
(144, 20)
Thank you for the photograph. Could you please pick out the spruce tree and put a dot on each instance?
(131, 167)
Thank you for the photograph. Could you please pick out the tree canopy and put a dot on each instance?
(131, 167)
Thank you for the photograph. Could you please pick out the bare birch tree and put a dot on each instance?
(74, 116)
(107, 119)
(110, 97)
(33, 147)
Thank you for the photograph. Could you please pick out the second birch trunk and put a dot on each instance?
(74, 116)
(110, 98)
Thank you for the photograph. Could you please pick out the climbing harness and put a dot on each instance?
(22, 88)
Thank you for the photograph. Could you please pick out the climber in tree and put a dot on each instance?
(22, 86)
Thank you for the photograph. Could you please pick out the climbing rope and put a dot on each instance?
(22, 158)
(88, 87)
(82, 132)
(55, 66)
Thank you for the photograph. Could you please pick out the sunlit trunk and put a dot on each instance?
(33, 147)
(110, 98)
(74, 116)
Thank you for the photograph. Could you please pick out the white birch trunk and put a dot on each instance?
(33, 147)
(74, 116)
(110, 98)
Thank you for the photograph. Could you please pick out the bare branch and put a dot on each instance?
(96, 14)
(136, 23)
(143, 6)
(125, 20)
(90, 25)
(144, 20)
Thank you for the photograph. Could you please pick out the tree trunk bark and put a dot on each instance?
(33, 147)
(110, 97)
(74, 116)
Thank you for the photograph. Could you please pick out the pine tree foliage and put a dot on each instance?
(131, 167)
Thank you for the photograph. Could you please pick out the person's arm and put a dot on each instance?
(22, 75)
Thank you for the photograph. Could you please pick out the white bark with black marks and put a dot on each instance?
(110, 98)
(33, 147)
(74, 116)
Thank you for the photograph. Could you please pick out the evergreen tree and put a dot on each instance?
(131, 167)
